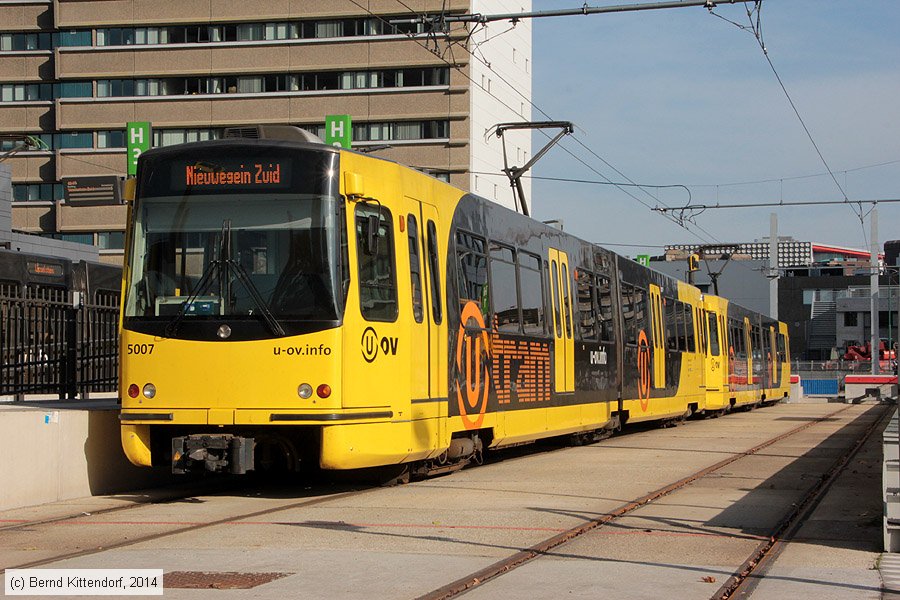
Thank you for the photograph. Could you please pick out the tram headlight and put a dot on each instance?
(149, 391)
(323, 390)
(304, 391)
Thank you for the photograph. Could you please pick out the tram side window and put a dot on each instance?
(757, 343)
(628, 313)
(670, 322)
(415, 269)
(690, 333)
(782, 347)
(634, 311)
(737, 338)
(713, 334)
(556, 299)
(640, 312)
(701, 327)
(587, 313)
(377, 281)
(678, 326)
(503, 288)
(604, 299)
(531, 293)
(471, 270)
(566, 299)
(436, 312)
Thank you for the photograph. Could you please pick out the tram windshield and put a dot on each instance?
(253, 240)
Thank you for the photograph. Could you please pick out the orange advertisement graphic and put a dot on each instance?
(643, 370)
(520, 369)
(472, 352)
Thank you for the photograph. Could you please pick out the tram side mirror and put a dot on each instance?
(372, 235)
(353, 185)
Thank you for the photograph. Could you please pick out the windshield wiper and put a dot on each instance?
(202, 285)
(240, 274)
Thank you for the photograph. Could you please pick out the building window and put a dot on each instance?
(323, 81)
(74, 89)
(850, 319)
(111, 138)
(73, 38)
(37, 192)
(111, 240)
(115, 36)
(43, 138)
(77, 238)
(16, 42)
(170, 137)
(74, 139)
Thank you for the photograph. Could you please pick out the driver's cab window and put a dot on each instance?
(375, 255)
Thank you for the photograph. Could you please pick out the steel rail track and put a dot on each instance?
(501, 567)
(152, 496)
(187, 528)
(748, 576)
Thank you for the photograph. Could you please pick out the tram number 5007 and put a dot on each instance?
(142, 349)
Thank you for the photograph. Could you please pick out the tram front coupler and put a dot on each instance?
(220, 453)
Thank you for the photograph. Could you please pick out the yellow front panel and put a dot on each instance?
(219, 377)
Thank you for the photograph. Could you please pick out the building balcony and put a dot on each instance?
(240, 57)
(217, 110)
(90, 163)
(27, 15)
(26, 66)
(34, 217)
(74, 219)
(88, 13)
(26, 117)
(32, 167)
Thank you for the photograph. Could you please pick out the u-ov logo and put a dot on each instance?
(369, 344)
(472, 375)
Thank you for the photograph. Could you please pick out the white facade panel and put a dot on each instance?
(501, 93)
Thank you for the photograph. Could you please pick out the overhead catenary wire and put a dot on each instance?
(755, 29)
(679, 222)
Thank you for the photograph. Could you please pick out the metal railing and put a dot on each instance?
(53, 342)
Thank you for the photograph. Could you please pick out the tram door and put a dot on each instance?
(425, 286)
(774, 363)
(425, 278)
(561, 299)
(659, 337)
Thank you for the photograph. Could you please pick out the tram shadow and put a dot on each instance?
(818, 497)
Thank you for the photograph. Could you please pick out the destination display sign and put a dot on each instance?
(45, 269)
(251, 174)
(239, 167)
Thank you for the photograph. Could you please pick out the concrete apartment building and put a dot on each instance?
(74, 72)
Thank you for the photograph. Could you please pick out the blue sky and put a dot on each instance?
(681, 97)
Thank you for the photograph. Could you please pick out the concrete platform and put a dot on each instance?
(60, 450)
(405, 541)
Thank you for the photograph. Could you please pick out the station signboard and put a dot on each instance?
(138, 141)
(338, 131)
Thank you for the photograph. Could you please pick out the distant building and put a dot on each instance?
(823, 289)
(73, 72)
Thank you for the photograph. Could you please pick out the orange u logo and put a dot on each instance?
(643, 365)
(473, 377)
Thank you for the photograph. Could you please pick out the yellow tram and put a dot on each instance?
(289, 303)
